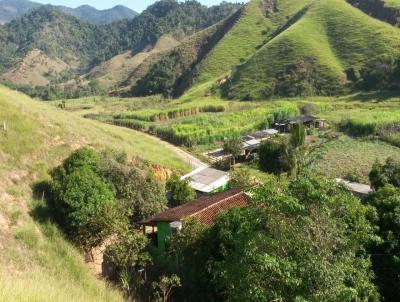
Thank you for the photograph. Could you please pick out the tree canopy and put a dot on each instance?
(385, 178)
(304, 241)
(180, 190)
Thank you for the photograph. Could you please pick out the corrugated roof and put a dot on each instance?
(296, 119)
(206, 179)
(205, 208)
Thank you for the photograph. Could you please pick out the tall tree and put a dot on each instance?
(233, 147)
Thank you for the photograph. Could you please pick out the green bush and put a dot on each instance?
(388, 173)
(273, 156)
(87, 206)
(385, 252)
(180, 190)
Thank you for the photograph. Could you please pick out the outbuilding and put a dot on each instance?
(206, 209)
(309, 121)
(207, 180)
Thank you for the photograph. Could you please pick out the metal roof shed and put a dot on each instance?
(207, 180)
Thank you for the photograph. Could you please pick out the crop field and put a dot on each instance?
(199, 123)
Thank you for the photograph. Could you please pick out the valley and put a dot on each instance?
(202, 125)
(103, 114)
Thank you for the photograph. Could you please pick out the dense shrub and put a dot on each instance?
(385, 254)
(380, 73)
(135, 188)
(95, 195)
(273, 155)
(388, 173)
(241, 179)
(84, 201)
(180, 190)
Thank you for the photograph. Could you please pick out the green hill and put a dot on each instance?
(289, 48)
(326, 39)
(174, 72)
(259, 19)
(235, 40)
(36, 262)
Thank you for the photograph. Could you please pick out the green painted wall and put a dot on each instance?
(163, 231)
(222, 188)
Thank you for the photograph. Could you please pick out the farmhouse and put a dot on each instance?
(208, 180)
(205, 209)
(308, 121)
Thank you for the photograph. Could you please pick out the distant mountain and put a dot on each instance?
(11, 9)
(92, 15)
(47, 45)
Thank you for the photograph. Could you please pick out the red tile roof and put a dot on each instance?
(205, 208)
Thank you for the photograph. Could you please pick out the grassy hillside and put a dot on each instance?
(176, 70)
(35, 69)
(36, 263)
(326, 31)
(127, 67)
(260, 18)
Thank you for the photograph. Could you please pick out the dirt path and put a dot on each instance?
(193, 161)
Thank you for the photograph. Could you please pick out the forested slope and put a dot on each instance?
(83, 46)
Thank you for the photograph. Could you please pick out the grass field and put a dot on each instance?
(348, 155)
(36, 262)
(194, 123)
(392, 3)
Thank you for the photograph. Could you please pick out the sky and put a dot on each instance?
(137, 5)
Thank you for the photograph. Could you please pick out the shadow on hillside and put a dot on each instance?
(42, 208)
(375, 96)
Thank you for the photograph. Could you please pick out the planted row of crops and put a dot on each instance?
(208, 129)
(159, 116)
(384, 124)
(212, 126)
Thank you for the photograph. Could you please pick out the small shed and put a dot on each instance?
(264, 134)
(206, 209)
(309, 121)
(208, 180)
(251, 145)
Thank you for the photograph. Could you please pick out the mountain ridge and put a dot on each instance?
(84, 46)
(12, 9)
(294, 48)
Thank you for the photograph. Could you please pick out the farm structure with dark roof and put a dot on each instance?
(206, 209)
